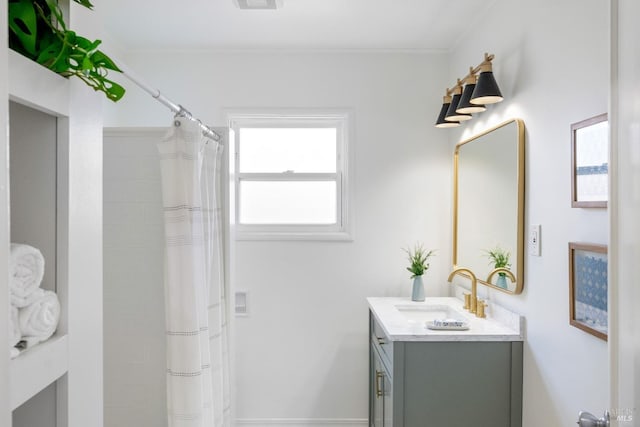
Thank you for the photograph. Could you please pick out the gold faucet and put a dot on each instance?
(501, 270)
(474, 286)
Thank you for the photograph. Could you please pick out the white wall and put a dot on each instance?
(625, 235)
(553, 69)
(302, 352)
(134, 340)
(5, 413)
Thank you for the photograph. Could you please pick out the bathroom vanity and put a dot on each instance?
(421, 377)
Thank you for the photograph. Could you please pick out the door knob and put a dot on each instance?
(586, 419)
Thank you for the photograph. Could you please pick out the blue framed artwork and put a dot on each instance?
(588, 288)
(590, 163)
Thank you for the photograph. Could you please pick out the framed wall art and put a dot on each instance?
(588, 287)
(590, 163)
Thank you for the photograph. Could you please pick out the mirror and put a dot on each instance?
(488, 203)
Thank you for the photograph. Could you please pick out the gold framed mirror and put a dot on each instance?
(488, 204)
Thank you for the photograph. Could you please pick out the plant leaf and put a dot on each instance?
(113, 90)
(102, 60)
(49, 53)
(23, 24)
(85, 3)
(86, 64)
(56, 13)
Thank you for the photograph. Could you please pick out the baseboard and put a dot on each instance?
(302, 422)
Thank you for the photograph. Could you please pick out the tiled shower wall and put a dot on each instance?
(134, 361)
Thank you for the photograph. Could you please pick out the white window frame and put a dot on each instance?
(341, 121)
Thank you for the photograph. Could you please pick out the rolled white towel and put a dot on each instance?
(39, 320)
(26, 269)
(14, 326)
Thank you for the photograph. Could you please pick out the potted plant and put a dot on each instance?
(38, 31)
(499, 258)
(418, 257)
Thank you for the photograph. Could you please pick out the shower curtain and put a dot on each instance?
(195, 295)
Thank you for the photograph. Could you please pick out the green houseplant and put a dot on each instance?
(418, 265)
(499, 258)
(37, 30)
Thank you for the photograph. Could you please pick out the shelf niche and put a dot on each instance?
(38, 218)
(33, 173)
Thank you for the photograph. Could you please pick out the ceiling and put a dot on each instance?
(299, 24)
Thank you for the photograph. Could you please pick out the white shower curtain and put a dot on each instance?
(195, 294)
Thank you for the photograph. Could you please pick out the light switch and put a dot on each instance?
(534, 240)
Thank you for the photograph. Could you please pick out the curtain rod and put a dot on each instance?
(176, 108)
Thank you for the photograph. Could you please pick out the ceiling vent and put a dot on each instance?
(258, 4)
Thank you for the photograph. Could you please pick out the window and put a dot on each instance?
(291, 176)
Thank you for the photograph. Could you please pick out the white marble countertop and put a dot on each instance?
(503, 325)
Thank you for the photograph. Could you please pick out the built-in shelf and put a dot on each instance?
(38, 137)
(33, 85)
(54, 129)
(37, 367)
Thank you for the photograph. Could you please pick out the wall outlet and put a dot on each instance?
(534, 240)
(241, 303)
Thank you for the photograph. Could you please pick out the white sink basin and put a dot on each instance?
(428, 313)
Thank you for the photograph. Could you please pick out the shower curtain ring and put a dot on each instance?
(182, 112)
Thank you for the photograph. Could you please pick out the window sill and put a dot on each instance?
(336, 236)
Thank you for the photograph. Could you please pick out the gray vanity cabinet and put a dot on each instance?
(444, 383)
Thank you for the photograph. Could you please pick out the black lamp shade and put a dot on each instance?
(486, 90)
(441, 122)
(465, 106)
(452, 116)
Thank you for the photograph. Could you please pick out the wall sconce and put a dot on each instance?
(479, 90)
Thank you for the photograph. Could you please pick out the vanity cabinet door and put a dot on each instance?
(459, 384)
(377, 391)
(387, 392)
